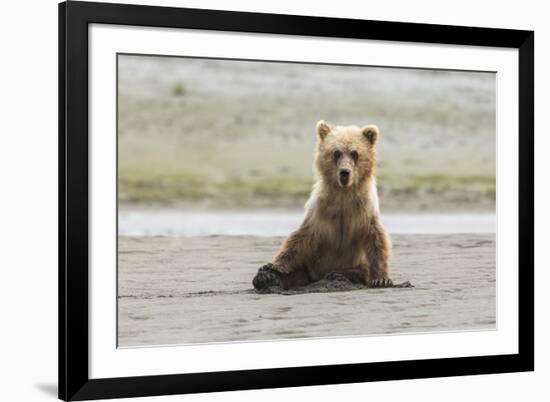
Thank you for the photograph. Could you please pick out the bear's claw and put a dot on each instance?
(266, 277)
(381, 283)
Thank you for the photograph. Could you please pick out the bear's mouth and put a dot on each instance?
(344, 183)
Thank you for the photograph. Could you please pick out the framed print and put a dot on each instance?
(257, 200)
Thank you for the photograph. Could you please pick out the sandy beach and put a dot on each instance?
(178, 290)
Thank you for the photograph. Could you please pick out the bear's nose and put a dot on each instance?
(344, 176)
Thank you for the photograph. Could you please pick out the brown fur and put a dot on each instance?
(341, 232)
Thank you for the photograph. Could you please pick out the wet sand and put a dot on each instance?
(198, 289)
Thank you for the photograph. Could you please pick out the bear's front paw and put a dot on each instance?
(267, 277)
(381, 283)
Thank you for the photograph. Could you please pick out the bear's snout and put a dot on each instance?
(344, 176)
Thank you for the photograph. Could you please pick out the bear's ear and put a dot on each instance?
(323, 128)
(371, 133)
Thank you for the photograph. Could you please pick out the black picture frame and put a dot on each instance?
(74, 18)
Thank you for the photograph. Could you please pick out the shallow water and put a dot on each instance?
(281, 223)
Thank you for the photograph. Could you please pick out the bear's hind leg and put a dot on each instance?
(267, 277)
(288, 269)
(354, 275)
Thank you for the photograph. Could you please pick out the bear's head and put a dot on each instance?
(346, 155)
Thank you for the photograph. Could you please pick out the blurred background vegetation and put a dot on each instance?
(225, 134)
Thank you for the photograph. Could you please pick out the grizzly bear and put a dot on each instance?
(341, 234)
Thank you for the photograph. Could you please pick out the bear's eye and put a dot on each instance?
(354, 155)
(337, 155)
